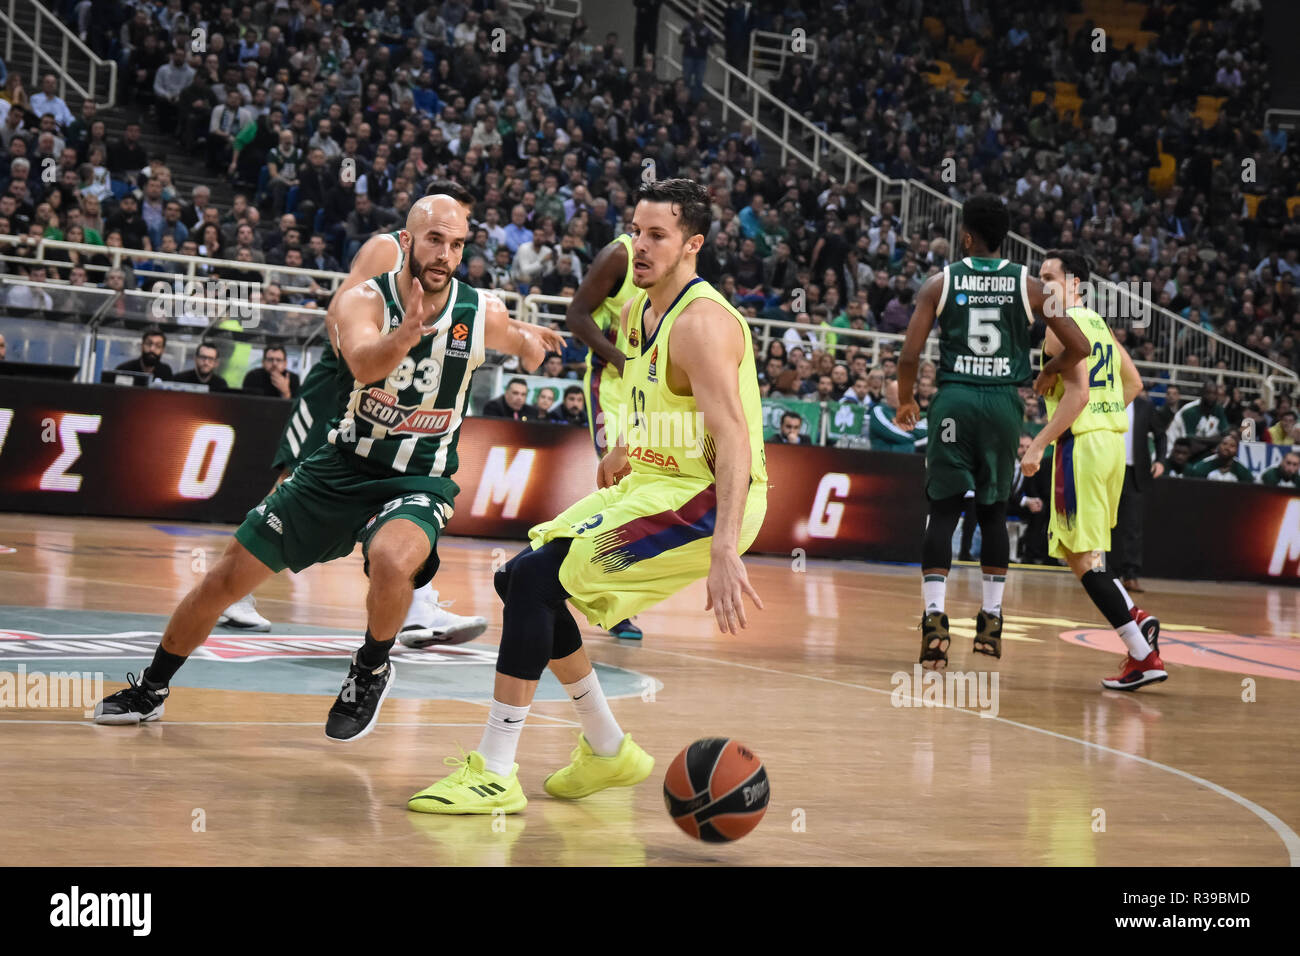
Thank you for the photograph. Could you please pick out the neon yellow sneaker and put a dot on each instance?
(472, 788)
(588, 773)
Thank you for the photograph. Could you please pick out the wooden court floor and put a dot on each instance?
(1044, 768)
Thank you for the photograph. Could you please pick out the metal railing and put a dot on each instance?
(769, 51)
(924, 209)
(816, 149)
(1286, 119)
(569, 9)
(74, 61)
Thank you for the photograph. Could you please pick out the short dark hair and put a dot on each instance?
(207, 345)
(551, 355)
(573, 390)
(1073, 261)
(795, 415)
(150, 331)
(986, 218)
(449, 187)
(690, 199)
(516, 381)
(274, 348)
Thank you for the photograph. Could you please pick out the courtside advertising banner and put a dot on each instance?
(142, 453)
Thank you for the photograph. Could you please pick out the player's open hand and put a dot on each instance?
(613, 468)
(909, 413)
(1044, 383)
(551, 339)
(1033, 459)
(727, 584)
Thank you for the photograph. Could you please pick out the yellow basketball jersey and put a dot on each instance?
(665, 431)
(1105, 408)
(608, 312)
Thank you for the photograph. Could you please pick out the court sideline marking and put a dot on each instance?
(1288, 836)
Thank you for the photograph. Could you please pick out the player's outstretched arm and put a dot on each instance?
(603, 279)
(1129, 375)
(707, 344)
(1072, 342)
(1073, 401)
(909, 360)
(355, 332)
(377, 256)
(504, 334)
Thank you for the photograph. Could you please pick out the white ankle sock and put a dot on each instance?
(501, 736)
(993, 586)
(1137, 645)
(598, 724)
(933, 589)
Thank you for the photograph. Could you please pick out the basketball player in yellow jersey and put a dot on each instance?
(593, 316)
(1087, 423)
(682, 495)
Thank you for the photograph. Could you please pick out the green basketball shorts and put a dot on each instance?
(974, 433)
(332, 501)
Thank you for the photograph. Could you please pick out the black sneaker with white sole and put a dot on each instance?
(356, 708)
(135, 704)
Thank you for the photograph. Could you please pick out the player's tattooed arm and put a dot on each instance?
(1073, 402)
(707, 345)
(530, 342)
(355, 332)
(602, 280)
(378, 255)
(909, 360)
(1073, 344)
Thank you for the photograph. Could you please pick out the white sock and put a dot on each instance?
(933, 589)
(1137, 645)
(1127, 600)
(598, 724)
(501, 736)
(993, 585)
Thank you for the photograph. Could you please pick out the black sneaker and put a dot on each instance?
(134, 704)
(988, 634)
(934, 641)
(625, 630)
(357, 706)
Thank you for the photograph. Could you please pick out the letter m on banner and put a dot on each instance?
(1287, 547)
(500, 484)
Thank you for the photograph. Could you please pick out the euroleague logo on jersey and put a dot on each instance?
(651, 372)
(459, 338)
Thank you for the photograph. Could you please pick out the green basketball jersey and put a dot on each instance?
(984, 319)
(326, 388)
(410, 422)
(1105, 408)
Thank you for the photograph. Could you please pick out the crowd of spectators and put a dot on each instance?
(328, 120)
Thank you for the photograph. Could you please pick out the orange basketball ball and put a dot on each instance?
(716, 790)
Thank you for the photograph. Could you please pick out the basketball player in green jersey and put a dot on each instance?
(1087, 423)
(593, 316)
(411, 338)
(682, 494)
(985, 306)
(427, 622)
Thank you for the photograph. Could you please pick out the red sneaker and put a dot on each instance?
(1148, 624)
(1137, 673)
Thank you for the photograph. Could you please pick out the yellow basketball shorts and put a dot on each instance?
(641, 541)
(602, 390)
(1087, 480)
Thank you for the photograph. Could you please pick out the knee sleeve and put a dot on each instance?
(936, 544)
(501, 580)
(995, 551)
(533, 596)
